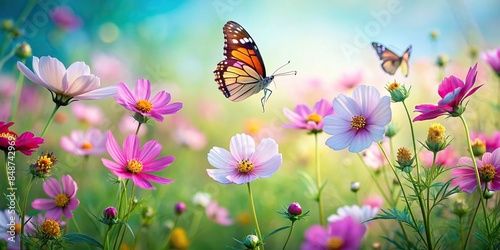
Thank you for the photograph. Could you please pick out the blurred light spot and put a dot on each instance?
(109, 32)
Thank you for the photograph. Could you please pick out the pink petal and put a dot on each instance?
(124, 93)
(155, 178)
(52, 71)
(52, 187)
(242, 146)
(73, 204)
(30, 75)
(114, 150)
(221, 158)
(69, 185)
(220, 175)
(141, 182)
(150, 151)
(83, 84)
(43, 204)
(131, 147)
(54, 214)
(161, 99)
(170, 109)
(267, 149)
(67, 213)
(159, 164)
(269, 167)
(142, 89)
(113, 166)
(239, 178)
(76, 70)
(97, 94)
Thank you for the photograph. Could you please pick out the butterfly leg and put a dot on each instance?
(265, 98)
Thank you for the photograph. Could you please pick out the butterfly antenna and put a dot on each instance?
(294, 72)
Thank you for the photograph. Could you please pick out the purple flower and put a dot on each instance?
(136, 163)
(79, 143)
(345, 234)
(63, 200)
(489, 172)
(244, 163)
(74, 83)
(218, 214)
(358, 121)
(453, 92)
(492, 57)
(308, 119)
(140, 101)
(64, 18)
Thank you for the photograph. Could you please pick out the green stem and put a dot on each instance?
(20, 20)
(472, 221)
(121, 208)
(289, 234)
(23, 210)
(318, 179)
(129, 211)
(7, 57)
(138, 127)
(50, 119)
(413, 141)
(170, 234)
(106, 238)
(193, 228)
(17, 95)
(255, 216)
(76, 225)
(374, 179)
(460, 231)
(478, 179)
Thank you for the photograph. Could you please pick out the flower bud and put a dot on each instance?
(478, 147)
(23, 50)
(460, 208)
(355, 185)
(391, 130)
(442, 61)
(179, 239)
(434, 34)
(43, 166)
(489, 194)
(295, 209)
(50, 228)
(16, 33)
(376, 246)
(179, 208)
(251, 241)
(398, 92)
(436, 138)
(110, 213)
(7, 25)
(404, 160)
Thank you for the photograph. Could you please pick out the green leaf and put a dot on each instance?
(275, 231)
(129, 228)
(82, 238)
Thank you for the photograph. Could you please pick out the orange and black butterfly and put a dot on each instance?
(390, 61)
(242, 73)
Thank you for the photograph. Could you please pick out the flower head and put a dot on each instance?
(446, 157)
(63, 200)
(42, 167)
(398, 92)
(345, 234)
(492, 57)
(489, 172)
(88, 114)
(179, 208)
(141, 104)
(135, 163)
(65, 85)
(453, 92)
(179, 239)
(374, 157)
(64, 18)
(218, 214)
(362, 215)
(26, 143)
(244, 163)
(308, 119)
(93, 142)
(109, 216)
(359, 120)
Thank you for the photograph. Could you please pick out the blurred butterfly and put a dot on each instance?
(242, 73)
(390, 61)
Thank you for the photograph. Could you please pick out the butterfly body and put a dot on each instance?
(390, 61)
(242, 73)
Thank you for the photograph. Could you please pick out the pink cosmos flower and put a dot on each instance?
(88, 114)
(140, 103)
(345, 234)
(362, 215)
(350, 80)
(453, 92)
(492, 57)
(218, 214)
(186, 134)
(26, 142)
(446, 157)
(358, 120)
(63, 200)
(375, 201)
(489, 172)
(492, 142)
(93, 142)
(244, 163)
(373, 156)
(136, 163)
(65, 85)
(110, 68)
(308, 119)
(64, 18)
(128, 125)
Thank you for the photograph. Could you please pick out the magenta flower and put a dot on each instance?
(65, 85)
(217, 214)
(26, 143)
(244, 163)
(358, 121)
(88, 114)
(136, 163)
(489, 172)
(492, 57)
(345, 234)
(308, 119)
(453, 92)
(446, 157)
(140, 103)
(64, 18)
(63, 200)
(492, 142)
(93, 142)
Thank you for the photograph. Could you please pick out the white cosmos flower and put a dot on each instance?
(73, 83)
(360, 214)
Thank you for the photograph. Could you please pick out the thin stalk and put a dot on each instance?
(170, 234)
(470, 228)
(129, 211)
(413, 141)
(138, 127)
(7, 57)
(374, 179)
(255, 215)
(76, 225)
(20, 20)
(121, 208)
(23, 210)
(318, 179)
(289, 234)
(106, 238)
(50, 119)
(193, 228)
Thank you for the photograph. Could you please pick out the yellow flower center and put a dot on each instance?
(144, 106)
(478, 147)
(436, 133)
(134, 166)
(61, 200)
(86, 145)
(253, 126)
(404, 155)
(487, 173)
(245, 166)
(314, 117)
(393, 86)
(358, 122)
(6, 135)
(45, 162)
(334, 243)
(17, 228)
(51, 228)
(179, 239)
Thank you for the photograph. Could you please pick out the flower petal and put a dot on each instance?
(340, 141)
(51, 187)
(54, 214)
(242, 146)
(142, 89)
(69, 185)
(114, 150)
(30, 75)
(158, 165)
(76, 70)
(149, 151)
(239, 178)
(141, 182)
(52, 71)
(220, 175)
(43, 204)
(83, 84)
(269, 167)
(131, 147)
(267, 149)
(221, 158)
(155, 178)
(97, 94)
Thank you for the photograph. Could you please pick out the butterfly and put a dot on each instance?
(390, 61)
(242, 73)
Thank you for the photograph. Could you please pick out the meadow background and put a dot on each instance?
(177, 44)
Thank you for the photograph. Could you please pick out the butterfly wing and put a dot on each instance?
(405, 68)
(239, 45)
(390, 61)
(237, 80)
